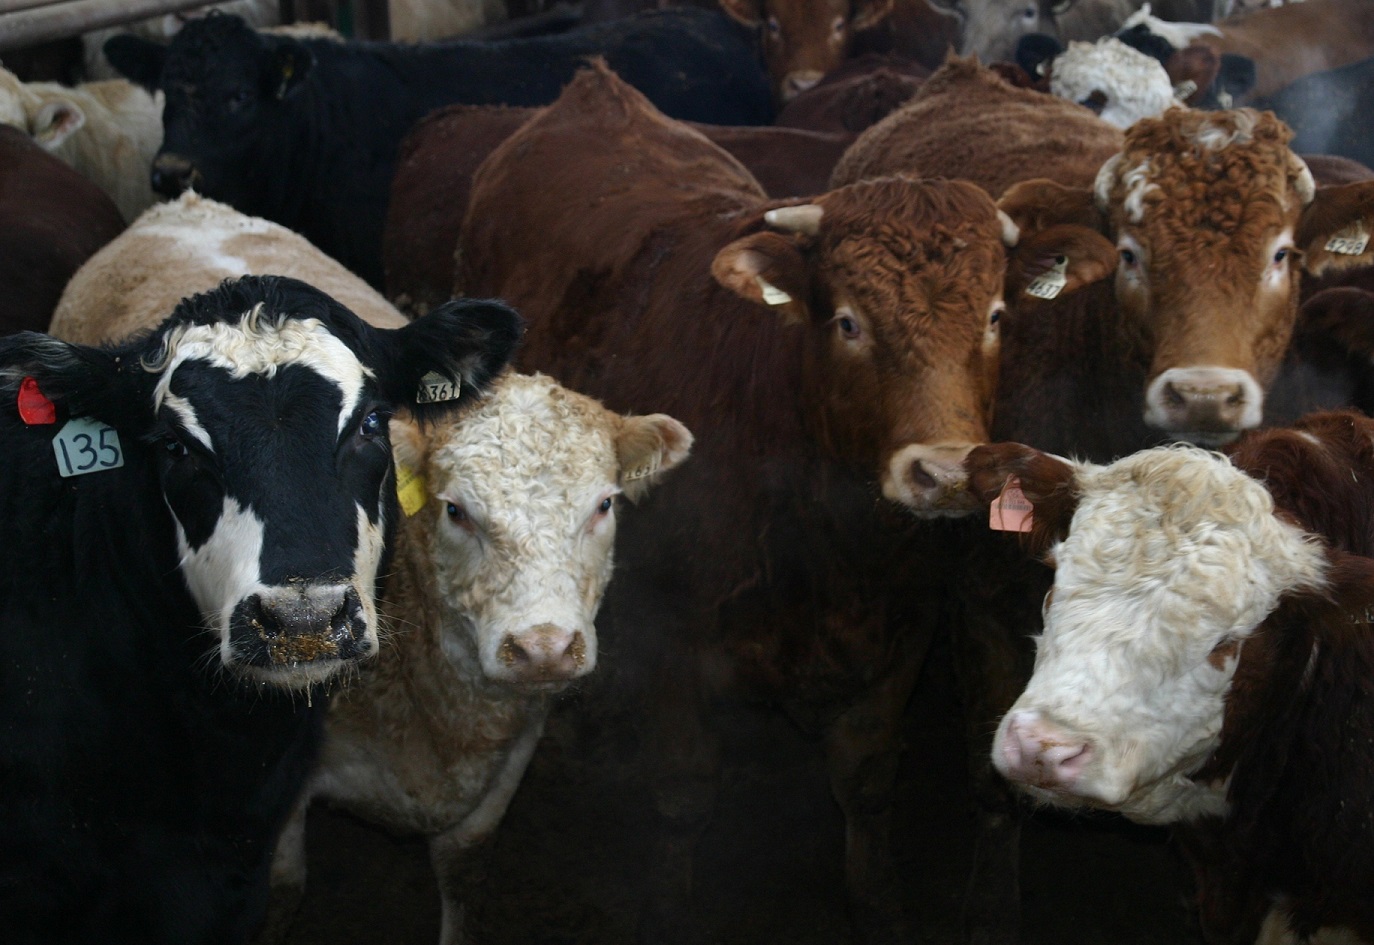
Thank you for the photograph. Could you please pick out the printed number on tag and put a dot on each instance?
(1048, 285)
(1348, 245)
(435, 388)
(1011, 511)
(86, 445)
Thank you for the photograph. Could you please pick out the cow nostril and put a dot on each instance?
(1236, 399)
(348, 617)
(1172, 396)
(922, 479)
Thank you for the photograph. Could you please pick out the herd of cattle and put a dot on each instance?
(795, 280)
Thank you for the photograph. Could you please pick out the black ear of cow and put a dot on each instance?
(465, 342)
(95, 382)
(287, 63)
(1237, 75)
(137, 59)
(1035, 51)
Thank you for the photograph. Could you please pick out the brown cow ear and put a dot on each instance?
(1048, 482)
(1039, 204)
(869, 14)
(765, 268)
(748, 12)
(1058, 261)
(1337, 228)
(646, 447)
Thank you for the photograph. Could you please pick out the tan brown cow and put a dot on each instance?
(803, 40)
(825, 354)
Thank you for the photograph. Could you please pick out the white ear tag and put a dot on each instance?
(1185, 90)
(641, 472)
(772, 294)
(1350, 241)
(1049, 284)
(86, 445)
(435, 389)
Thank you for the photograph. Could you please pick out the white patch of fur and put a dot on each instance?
(1171, 552)
(367, 559)
(1177, 35)
(224, 570)
(190, 421)
(1135, 85)
(1102, 184)
(1226, 128)
(256, 344)
(1137, 182)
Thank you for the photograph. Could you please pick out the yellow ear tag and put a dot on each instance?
(410, 489)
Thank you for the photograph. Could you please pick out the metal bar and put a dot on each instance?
(60, 20)
(13, 6)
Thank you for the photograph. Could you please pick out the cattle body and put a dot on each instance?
(109, 131)
(498, 576)
(856, 96)
(806, 40)
(1204, 659)
(51, 220)
(823, 354)
(191, 245)
(275, 147)
(1119, 84)
(429, 194)
(229, 510)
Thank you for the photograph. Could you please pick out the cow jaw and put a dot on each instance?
(1172, 558)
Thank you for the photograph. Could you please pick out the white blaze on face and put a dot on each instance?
(224, 571)
(1173, 554)
(519, 538)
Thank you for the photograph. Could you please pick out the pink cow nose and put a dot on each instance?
(545, 653)
(798, 82)
(1036, 752)
(930, 478)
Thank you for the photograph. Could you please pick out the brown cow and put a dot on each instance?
(1159, 692)
(51, 220)
(429, 194)
(856, 96)
(804, 40)
(827, 353)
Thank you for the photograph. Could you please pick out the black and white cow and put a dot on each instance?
(195, 522)
(305, 132)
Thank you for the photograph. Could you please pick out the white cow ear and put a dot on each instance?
(646, 447)
(56, 122)
(407, 444)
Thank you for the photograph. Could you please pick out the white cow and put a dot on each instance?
(497, 579)
(108, 131)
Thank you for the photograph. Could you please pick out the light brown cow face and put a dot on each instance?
(1213, 217)
(805, 39)
(898, 285)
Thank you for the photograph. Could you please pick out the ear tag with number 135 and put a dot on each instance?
(86, 445)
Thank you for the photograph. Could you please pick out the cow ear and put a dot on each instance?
(1057, 261)
(56, 122)
(1236, 76)
(1040, 203)
(86, 381)
(453, 352)
(647, 447)
(287, 64)
(137, 59)
(1048, 483)
(768, 269)
(1337, 228)
(870, 13)
(748, 12)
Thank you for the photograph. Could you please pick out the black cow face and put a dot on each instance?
(225, 85)
(264, 406)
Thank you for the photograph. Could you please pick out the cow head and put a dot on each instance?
(1165, 563)
(514, 522)
(805, 39)
(261, 408)
(1213, 218)
(898, 285)
(226, 86)
(992, 28)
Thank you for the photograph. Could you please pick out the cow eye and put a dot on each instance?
(1030, 14)
(457, 514)
(774, 27)
(605, 506)
(175, 448)
(1280, 256)
(837, 28)
(1128, 257)
(371, 424)
(849, 328)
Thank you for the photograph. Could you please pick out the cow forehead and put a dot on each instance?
(257, 344)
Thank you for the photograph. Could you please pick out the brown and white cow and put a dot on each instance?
(1204, 661)
(500, 567)
(824, 354)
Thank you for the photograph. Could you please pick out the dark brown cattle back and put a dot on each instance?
(51, 221)
(855, 96)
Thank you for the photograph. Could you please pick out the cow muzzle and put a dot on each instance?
(543, 654)
(930, 479)
(1031, 750)
(173, 174)
(296, 635)
(1209, 406)
(795, 83)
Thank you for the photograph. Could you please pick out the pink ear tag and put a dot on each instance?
(34, 408)
(1011, 511)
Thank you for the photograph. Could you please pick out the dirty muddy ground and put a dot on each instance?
(566, 863)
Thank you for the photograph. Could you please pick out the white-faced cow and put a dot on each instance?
(1205, 658)
(196, 523)
(499, 572)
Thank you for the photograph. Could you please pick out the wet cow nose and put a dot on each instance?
(173, 174)
(546, 652)
(1037, 752)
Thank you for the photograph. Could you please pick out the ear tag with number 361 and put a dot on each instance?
(86, 445)
(435, 389)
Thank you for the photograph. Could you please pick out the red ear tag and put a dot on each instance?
(34, 408)
(1011, 511)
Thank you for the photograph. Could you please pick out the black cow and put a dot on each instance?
(195, 522)
(305, 132)
(1330, 111)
